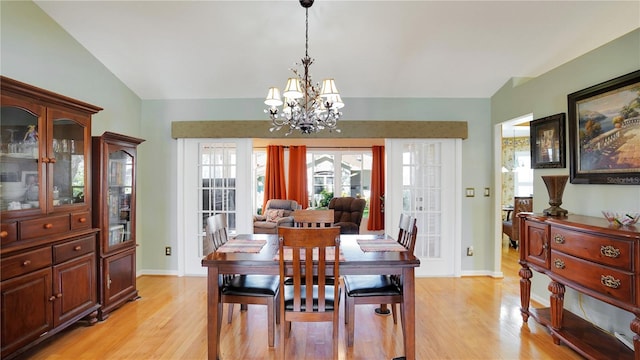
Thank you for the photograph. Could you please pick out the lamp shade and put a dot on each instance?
(293, 89)
(328, 88)
(336, 100)
(273, 97)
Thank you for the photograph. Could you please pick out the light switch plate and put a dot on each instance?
(487, 191)
(470, 192)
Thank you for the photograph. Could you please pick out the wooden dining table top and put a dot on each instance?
(353, 255)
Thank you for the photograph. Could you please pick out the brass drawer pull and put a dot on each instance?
(82, 220)
(609, 251)
(48, 226)
(26, 263)
(609, 281)
(559, 239)
(77, 248)
(559, 264)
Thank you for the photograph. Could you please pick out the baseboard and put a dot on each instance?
(156, 272)
(482, 273)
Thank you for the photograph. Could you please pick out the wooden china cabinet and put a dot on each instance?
(114, 205)
(48, 277)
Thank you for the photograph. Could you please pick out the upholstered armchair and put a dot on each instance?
(347, 213)
(276, 213)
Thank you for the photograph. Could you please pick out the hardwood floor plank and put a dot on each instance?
(456, 318)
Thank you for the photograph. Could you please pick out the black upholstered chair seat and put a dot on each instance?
(329, 297)
(370, 285)
(252, 285)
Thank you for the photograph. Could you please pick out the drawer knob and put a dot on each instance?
(44, 160)
(59, 295)
(52, 298)
(4, 234)
(559, 264)
(48, 226)
(559, 239)
(82, 220)
(52, 160)
(26, 263)
(610, 281)
(609, 251)
(77, 248)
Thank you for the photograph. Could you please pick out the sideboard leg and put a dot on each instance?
(557, 307)
(525, 291)
(635, 327)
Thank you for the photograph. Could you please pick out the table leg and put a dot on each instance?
(409, 320)
(213, 315)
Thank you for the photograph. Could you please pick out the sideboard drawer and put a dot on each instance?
(80, 221)
(72, 249)
(26, 262)
(603, 279)
(601, 249)
(46, 226)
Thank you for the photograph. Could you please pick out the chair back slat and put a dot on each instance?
(313, 218)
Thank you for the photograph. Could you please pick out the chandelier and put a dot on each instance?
(305, 108)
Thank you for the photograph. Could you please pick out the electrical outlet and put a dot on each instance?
(470, 251)
(167, 250)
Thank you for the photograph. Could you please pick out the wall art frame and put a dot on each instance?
(547, 139)
(604, 127)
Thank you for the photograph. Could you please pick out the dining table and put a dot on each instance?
(353, 261)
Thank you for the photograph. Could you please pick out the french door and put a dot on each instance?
(423, 180)
(214, 176)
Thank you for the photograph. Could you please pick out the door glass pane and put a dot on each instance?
(120, 181)
(217, 183)
(320, 172)
(69, 174)
(421, 195)
(19, 150)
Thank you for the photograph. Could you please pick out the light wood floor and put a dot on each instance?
(461, 318)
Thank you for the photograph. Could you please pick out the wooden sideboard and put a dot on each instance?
(590, 256)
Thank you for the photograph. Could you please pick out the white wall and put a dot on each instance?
(547, 95)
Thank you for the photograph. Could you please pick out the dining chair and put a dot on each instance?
(313, 218)
(305, 254)
(242, 289)
(378, 289)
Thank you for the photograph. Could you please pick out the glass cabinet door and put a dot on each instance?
(120, 192)
(69, 177)
(20, 146)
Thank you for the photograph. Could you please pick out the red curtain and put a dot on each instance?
(376, 203)
(274, 181)
(298, 175)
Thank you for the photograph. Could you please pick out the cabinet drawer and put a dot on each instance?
(8, 233)
(44, 226)
(23, 263)
(601, 249)
(80, 221)
(72, 249)
(610, 282)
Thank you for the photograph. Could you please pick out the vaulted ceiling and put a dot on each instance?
(433, 49)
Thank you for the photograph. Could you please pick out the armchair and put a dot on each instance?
(510, 226)
(347, 213)
(276, 213)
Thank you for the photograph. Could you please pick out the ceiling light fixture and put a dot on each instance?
(305, 108)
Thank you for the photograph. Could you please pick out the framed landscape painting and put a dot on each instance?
(604, 132)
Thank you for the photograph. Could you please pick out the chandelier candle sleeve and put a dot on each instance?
(307, 107)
